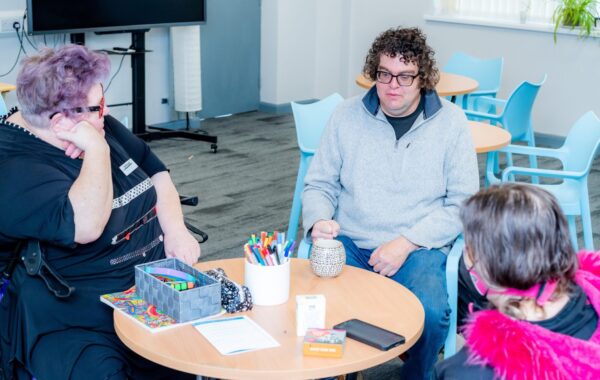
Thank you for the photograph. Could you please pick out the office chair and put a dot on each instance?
(193, 201)
(576, 155)
(184, 200)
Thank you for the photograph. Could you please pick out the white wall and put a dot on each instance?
(572, 65)
(158, 67)
(311, 48)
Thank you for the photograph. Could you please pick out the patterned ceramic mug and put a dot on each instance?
(327, 257)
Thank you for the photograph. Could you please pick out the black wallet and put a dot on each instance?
(369, 334)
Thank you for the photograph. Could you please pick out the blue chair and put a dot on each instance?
(452, 288)
(515, 117)
(310, 121)
(576, 155)
(3, 110)
(487, 72)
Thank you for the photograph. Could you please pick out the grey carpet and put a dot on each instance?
(247, 186)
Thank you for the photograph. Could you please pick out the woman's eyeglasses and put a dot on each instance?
(99, 108)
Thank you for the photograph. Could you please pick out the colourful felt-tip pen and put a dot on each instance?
(290, 249)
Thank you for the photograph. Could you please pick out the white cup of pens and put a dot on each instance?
(267, 268)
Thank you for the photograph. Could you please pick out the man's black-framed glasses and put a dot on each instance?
(403, 79)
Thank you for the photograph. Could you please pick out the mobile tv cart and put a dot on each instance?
(138, 92)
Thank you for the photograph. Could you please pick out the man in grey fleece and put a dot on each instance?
(389, 177)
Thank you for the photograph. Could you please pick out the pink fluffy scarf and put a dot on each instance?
(521, 350)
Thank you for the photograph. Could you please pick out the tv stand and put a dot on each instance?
(138, 73)
(138, 94)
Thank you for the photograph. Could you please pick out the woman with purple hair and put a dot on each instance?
(544, 299)
(98, 201)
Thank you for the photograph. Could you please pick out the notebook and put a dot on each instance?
(145, 314)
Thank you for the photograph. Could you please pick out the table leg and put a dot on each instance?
(453, 98)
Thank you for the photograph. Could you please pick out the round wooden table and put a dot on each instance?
(449, 84)
(356, 293)
(5, 87)
(488, 138)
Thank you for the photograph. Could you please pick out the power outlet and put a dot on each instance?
(8, 19)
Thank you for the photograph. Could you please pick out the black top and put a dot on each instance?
(577, 319)
(467, 294)
(403, 124)
(34, 185)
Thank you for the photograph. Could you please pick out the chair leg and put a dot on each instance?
(452, 263)
(496, 162)
(509, 162)
(586, 222)
(490, 163)
(304, 249)
(297, 201)
(573, 231)
(533, 160)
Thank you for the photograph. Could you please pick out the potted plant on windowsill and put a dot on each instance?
(575, 13)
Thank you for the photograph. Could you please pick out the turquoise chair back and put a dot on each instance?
(310, 121)
(3, 110)
(516, 116)
(487, 72)
(576, 155)
(581, 143)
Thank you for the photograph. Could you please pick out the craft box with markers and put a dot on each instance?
(155, 283)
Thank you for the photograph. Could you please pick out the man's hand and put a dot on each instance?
(325, 229)
(182, 245)
(389, 257)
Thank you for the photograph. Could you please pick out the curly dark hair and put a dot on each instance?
(411, 45)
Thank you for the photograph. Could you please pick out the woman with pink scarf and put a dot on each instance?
(544, 299)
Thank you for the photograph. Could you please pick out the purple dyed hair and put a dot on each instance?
(58, 80)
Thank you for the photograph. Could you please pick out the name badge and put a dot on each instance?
(128, 167)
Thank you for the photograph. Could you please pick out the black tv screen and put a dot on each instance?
(72, 16)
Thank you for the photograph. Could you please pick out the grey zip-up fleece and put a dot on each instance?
(378, 188)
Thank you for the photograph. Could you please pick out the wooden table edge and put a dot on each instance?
(208, 370)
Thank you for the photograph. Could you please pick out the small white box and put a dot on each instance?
(310, 312)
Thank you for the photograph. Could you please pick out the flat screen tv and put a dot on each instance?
(75, 16)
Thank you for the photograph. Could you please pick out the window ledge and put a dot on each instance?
(528, 26)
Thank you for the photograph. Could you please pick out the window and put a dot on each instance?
(522, 11)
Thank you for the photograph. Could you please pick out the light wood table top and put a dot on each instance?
(449, 84)
(356, 293)
(5, 87)
(488, 138)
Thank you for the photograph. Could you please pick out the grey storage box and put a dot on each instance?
(201, 301)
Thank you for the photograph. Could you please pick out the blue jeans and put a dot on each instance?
(424, 274)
